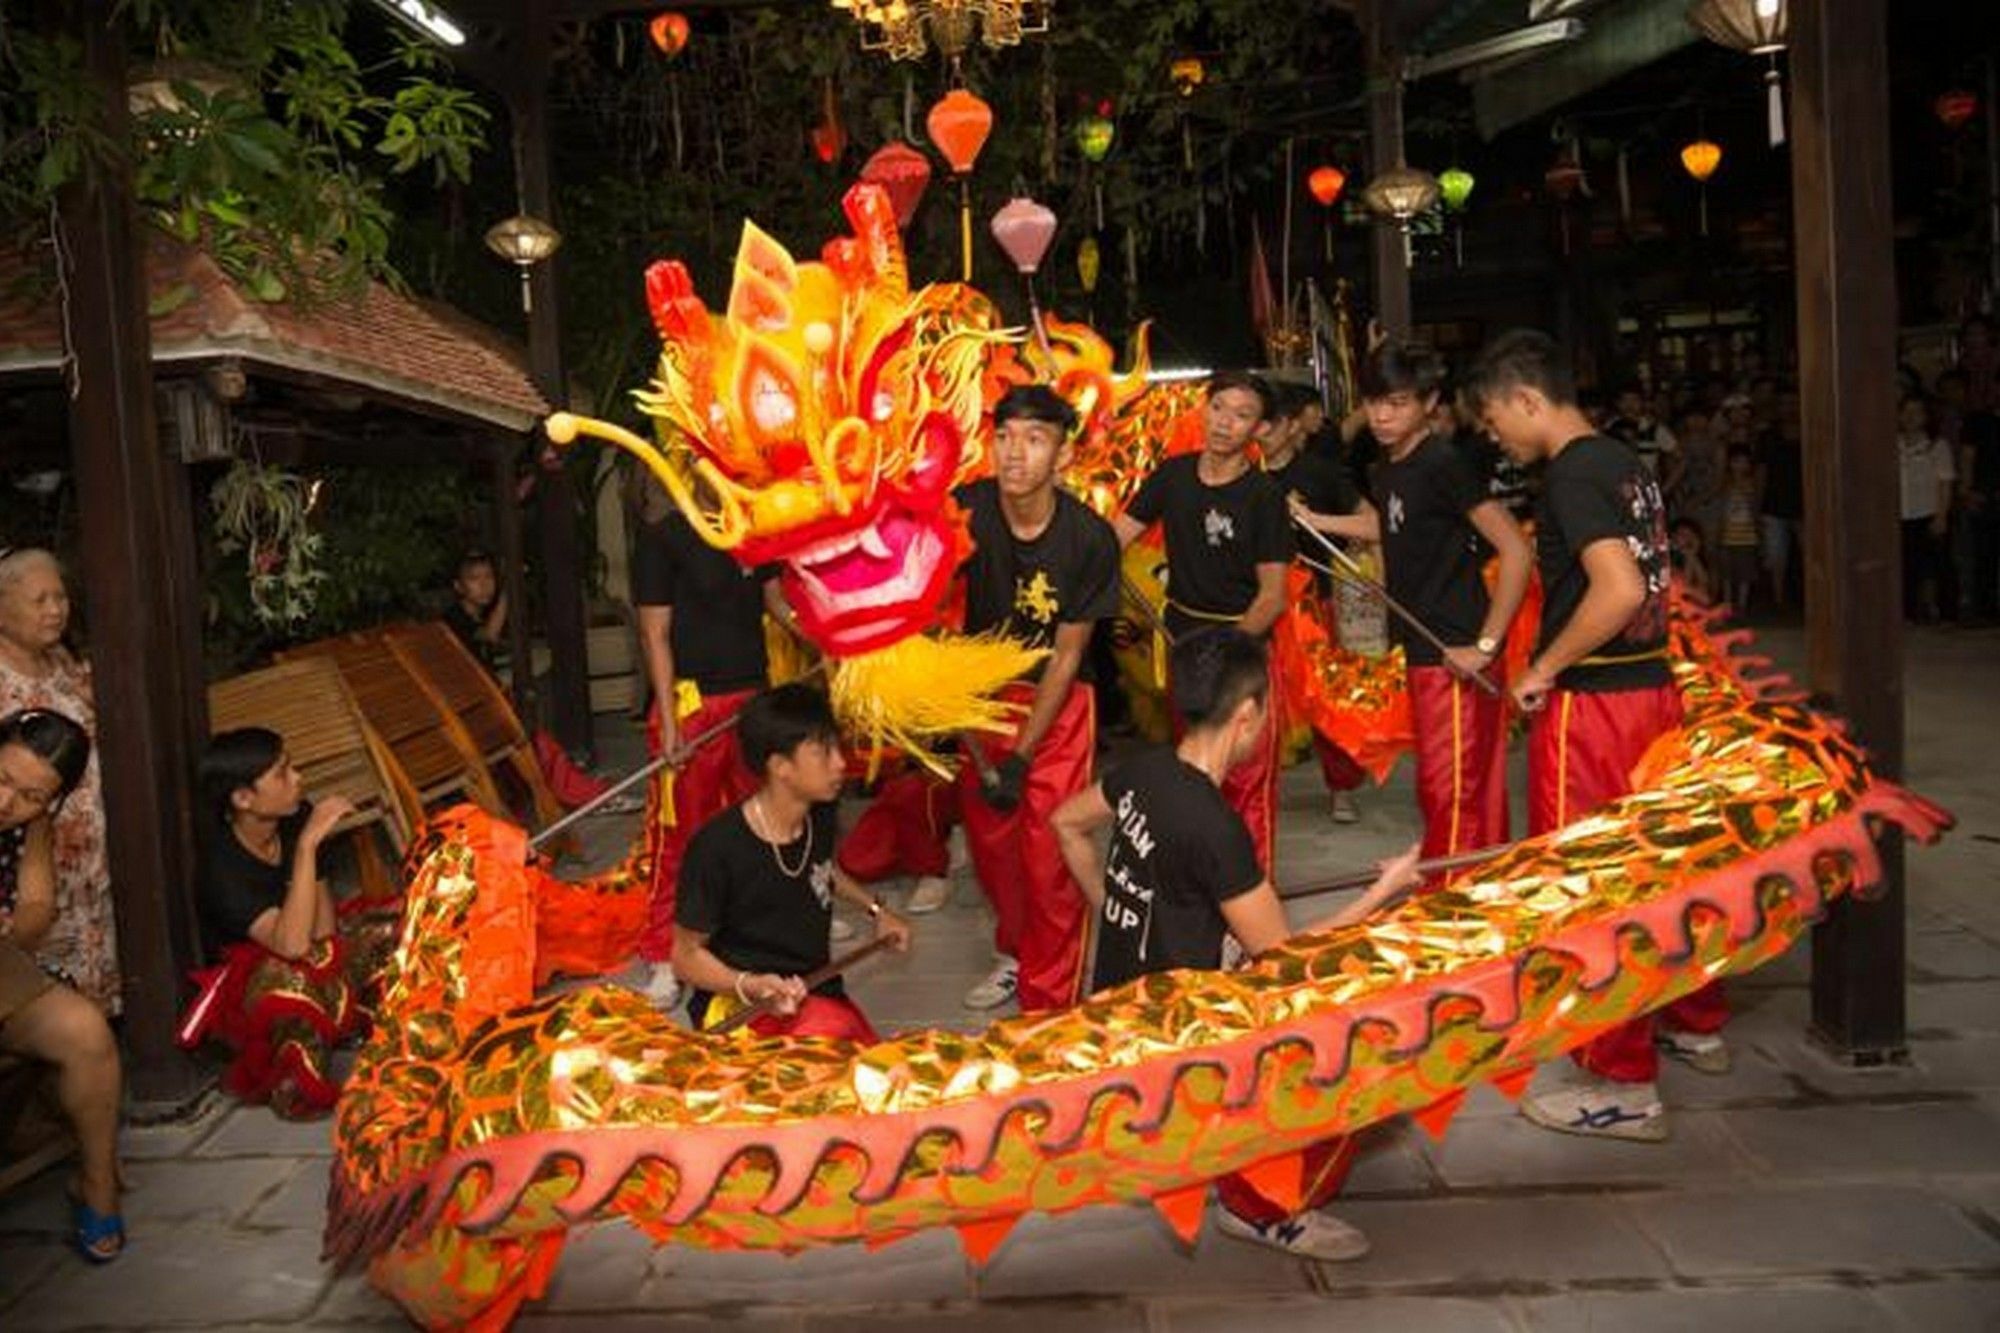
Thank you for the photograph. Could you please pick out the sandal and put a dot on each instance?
(98, 1237)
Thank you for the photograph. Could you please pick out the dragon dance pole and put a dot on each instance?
(1361, 879)
(1409, 617)
(758, 1008)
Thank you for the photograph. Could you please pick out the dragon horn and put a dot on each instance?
(724, 531)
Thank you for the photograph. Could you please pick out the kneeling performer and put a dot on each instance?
(754, 905)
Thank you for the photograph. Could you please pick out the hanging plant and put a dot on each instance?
(266, 513)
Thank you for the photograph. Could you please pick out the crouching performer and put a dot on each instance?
(281, 992)
(754, 906)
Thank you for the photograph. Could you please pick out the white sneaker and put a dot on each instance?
(997, 989)
(1343, 809)
(662, 989)
(1310, 1235)
(1706, 1051)
(1601, 1109)
(931, 893)
(843, 930)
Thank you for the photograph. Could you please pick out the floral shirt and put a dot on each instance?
(81, 948)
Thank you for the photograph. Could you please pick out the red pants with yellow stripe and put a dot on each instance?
(713, 779)
(1039, 907)
(1582, 749)
(1461, 749)
(905, 830)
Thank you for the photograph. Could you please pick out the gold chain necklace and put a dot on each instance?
(765, 835)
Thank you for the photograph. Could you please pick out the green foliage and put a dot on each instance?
(267, 151)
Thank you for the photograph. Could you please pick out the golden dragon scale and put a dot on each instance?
(481, 1123)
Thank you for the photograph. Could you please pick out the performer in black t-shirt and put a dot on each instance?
(1181, 875)
(1317, 484)
(1228, 545)
(701, 626)
(1043, 571)
(1437, 524)
(279, 996)
(757, 884)
(1599, 687)
(478, 611)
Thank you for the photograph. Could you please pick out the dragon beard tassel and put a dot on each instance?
(924, 688)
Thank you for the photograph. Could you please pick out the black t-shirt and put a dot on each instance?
(1432, 553)
(733, 889)
(466, 626)
(237, 887)
(1216, 538)
(1066, 576)
(1597, 488)
(1322, 483)
(1178, 852)
(717, 633)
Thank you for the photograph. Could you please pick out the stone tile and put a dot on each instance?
(1513, 1152)
(1039, 1317)
(1972, 1306)
(1808, 1229)
(139, 1142)
(1129, 1251)
(299, 1202)
(191, 1190)
(253, 1131)
(1557, 1238)
(37, 1208)
(196, 1275)
(1957, 955)
(1959, 1062)
(1356, 1314)
(607, 1267)
(1395, 1159)
(1936, 1138)
(532, 1321)
(350, 1301)
(927, 1267)
(1793, 1309)
(1756, 1074)
(25, 1263)
(1956, 1006)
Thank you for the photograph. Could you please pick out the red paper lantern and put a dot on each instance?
(1326, 183)
(1024, 229)
(959, 124)
(1955, 108)
(903, 173)
(669, 32)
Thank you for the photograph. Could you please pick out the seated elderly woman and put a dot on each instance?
(42, 759)
(280, 996)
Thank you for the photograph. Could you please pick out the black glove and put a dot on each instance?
(1003, 791)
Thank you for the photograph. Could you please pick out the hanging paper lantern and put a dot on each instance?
(1955, 108)
(829, 137)
(959, 124)
(1094, 133)
(1024, 229)
(903, 173)
(1326, 183)
(1188, 74)
(1455, 187)
(669, 32)
(1759, 28)
(1701, 158)
(1563, 179)
(1088, 263)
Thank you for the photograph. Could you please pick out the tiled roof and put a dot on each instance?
(422, 351)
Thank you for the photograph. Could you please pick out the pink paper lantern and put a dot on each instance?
(1024, 229)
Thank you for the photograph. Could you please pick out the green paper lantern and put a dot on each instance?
(1094, 135)
(1455, 187)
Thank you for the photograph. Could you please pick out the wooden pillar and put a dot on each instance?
(506, 450)
(1385, 150)
(1847, 394)
(566, 706)
(132, 566)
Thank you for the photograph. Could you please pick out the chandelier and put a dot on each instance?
(908, 28)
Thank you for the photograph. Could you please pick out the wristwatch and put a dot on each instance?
(1488, 646)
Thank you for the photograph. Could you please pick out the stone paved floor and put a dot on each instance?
(1794, 1194)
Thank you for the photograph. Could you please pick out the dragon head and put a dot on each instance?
(821, 421)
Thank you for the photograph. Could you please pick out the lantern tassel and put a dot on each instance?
(965, 224)
(1774, 103)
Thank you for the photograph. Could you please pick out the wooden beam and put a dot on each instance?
(1847, 395)
(1385, 150)
(136, 557)
(566, 706)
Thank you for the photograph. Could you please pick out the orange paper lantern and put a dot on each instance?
(959, 124)
(1701, 158)
(669, 32)
(1326, 183)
